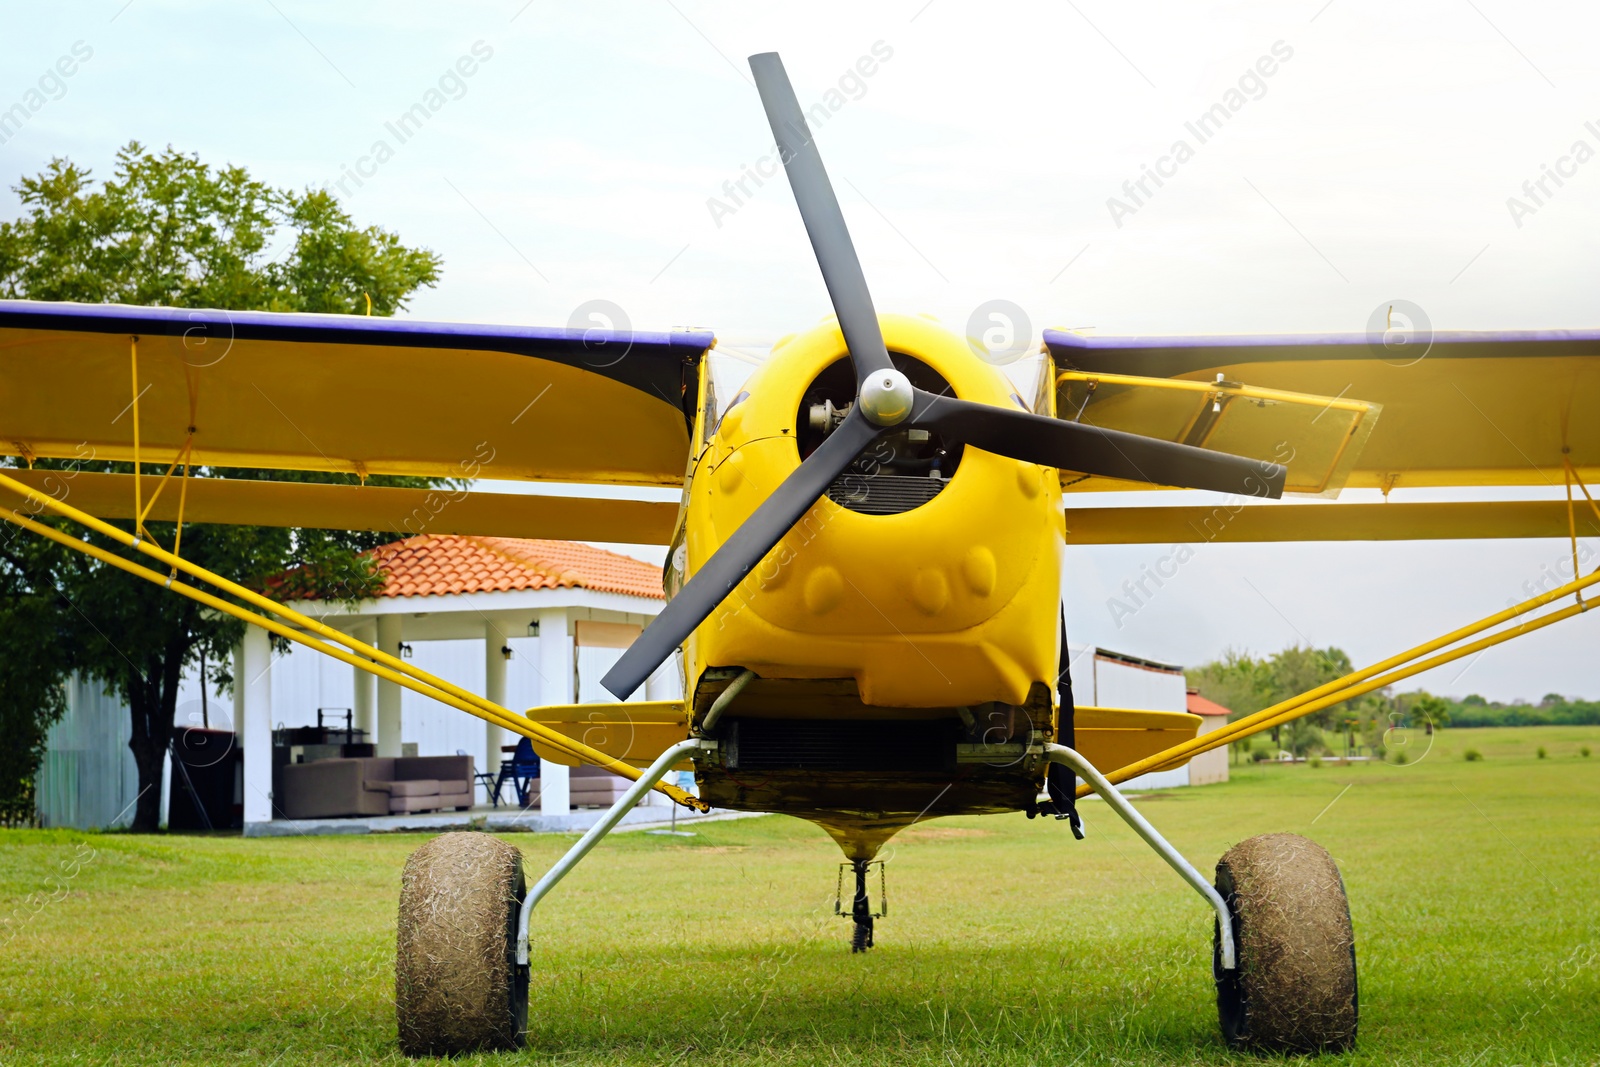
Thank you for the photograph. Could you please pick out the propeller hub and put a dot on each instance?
(886, 397)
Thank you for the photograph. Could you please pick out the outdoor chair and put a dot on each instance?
(522, 770)
(487, 779)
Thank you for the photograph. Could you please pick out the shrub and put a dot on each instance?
(1542, 753)
(1315, 761)
(1400, 756)
(1472, 755)
(1584, 751)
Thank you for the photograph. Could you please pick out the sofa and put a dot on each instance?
(377, 785)
(595, 787)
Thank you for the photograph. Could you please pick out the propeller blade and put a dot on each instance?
(1094, 450)
(819, 208)
(749, 544)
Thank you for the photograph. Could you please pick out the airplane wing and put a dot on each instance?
(347, 393)
(1469, 409)
(401, 512)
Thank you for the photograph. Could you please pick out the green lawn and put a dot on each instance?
(1474, 887)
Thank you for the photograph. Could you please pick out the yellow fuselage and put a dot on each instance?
(920, 616)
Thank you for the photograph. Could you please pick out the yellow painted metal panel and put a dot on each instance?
(1115, 737)
(1472, 412)
(1318, 438)
(1323, 522)
(953, 602)
(634, 733)
(403, 512)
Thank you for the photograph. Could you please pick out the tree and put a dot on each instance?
(1426, 710)
(1244, 684)
(38, 655)
(168, 229)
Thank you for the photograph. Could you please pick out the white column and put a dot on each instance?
(366, 693)
(252, 717)
(556, 652)
(494, 688)
(389, 637)
(663, 685)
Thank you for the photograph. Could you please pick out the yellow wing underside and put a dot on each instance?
(1473, 410)
(1489, 420)
(402, 512)
(356, 408)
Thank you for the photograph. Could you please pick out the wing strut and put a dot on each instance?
(1381, 674)
(356, 653)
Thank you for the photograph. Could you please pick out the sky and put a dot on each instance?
(594, 152)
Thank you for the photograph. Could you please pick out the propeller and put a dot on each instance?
(885, 398)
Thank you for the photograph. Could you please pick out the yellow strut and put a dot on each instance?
(201, 596)
(138, 509)
(1572, 472)
(386, 666)
(1572, 519)
(183, 498)
(1213, 740)
(182, 457)
(1362, 681)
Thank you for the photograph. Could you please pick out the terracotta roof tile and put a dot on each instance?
(1199, 705)
(440, 564)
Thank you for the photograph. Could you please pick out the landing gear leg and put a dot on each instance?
(1227, 957)
(635, 793)
(861, 911)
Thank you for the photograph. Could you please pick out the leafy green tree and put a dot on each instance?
(1237, 681)
(1426, 710)
(38, 654)
(168, 229)
(171, 230)
(1245, 684)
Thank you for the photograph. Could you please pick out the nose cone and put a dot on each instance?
(885, 397)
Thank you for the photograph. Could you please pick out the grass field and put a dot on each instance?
(1474, 888)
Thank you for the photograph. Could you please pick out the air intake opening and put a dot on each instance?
(903, 469)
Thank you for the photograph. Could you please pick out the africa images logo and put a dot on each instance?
(1251, 85)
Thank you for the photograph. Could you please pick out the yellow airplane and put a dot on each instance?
(864, 569)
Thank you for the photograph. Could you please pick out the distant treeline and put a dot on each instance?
(1553, 710)
(1244, 684)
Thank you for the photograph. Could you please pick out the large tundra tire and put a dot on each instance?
(1295, 987)
(457, 986)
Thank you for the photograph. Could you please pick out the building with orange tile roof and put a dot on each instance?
(1210, 766)
(570, 608)
(1108, 679)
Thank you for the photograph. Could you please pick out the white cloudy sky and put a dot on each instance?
(577, 164)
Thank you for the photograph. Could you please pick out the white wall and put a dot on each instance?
(304, 680)
(1124, 685)
(1127, 685)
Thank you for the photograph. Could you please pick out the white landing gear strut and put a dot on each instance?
(607, 823)
(1107, 792)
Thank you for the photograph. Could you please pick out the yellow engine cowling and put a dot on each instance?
(951, 603)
